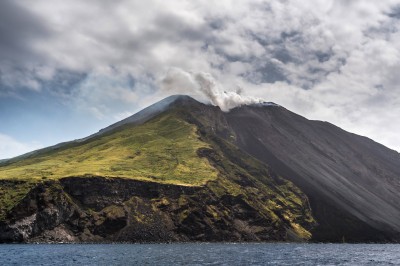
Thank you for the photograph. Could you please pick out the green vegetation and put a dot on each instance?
(168, 149)
(11, 193)
(163, 150)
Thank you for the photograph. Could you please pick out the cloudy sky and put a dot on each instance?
(70, 68)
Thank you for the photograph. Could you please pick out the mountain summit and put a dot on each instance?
(181, 170)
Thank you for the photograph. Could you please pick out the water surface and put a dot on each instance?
(201, 254)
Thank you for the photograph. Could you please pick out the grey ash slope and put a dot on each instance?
(353, 183)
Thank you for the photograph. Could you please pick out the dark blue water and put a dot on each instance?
(201, 254)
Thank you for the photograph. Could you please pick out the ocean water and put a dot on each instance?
(201, 254)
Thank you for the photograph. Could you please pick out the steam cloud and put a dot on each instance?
(202, 83)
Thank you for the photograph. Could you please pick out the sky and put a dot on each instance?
(70, 68)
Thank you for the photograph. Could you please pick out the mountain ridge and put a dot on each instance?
(310, 160)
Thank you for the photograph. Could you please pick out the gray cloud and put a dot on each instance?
(329, 60)
(18, 28)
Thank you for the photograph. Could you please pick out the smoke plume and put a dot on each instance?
(203, 84)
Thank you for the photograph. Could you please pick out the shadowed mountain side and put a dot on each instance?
(352, 182)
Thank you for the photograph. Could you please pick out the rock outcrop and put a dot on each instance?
(97, 209)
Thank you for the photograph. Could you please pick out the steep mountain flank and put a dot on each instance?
(352, 182)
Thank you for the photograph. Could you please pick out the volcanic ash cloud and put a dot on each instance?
(204, 84)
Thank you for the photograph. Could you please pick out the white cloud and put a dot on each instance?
(10, 147)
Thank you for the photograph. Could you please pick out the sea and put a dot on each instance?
(200, 254)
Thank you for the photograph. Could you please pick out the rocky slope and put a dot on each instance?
(181, 170)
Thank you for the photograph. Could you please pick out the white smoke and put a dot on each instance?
(201, 83)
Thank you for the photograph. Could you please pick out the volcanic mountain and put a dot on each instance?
(181, 170)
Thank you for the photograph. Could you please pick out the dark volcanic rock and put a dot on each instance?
(96, 209)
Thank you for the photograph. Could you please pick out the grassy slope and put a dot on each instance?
(163, 150)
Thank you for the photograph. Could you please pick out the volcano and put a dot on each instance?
(181, 170)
